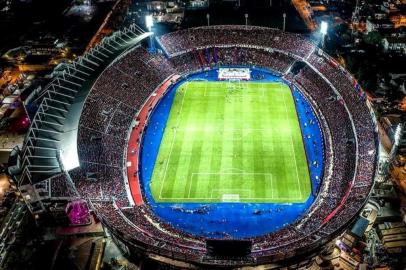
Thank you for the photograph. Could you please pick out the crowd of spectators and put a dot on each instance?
(60, 188)
(96, 181)
(231, 56)
(342, 139)
(124, 86)
(355, 99)
(106, 120)
(135, 227)
(176, 43)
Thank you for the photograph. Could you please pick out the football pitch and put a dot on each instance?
(231, 142)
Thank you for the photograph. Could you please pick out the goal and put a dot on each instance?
(230, 198)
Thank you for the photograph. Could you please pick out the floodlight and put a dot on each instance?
(70, 159)
(398, 134)
(323, 27)
(149, 22)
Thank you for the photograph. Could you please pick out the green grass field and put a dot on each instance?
(238, 141)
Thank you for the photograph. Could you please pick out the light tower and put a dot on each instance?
(284, 21)
(149, 23)
(323, 32)
(246, 20)
(208, 19)
(393, 152)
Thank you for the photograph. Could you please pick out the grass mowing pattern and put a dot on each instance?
(231, 141)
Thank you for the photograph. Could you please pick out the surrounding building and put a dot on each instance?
(394, 44)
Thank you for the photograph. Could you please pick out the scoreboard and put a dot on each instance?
(234, 74)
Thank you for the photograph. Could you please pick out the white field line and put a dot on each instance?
(213, 128)
(269, 175)
(230, 198)
(205, 90)
(289, 199)
(229, 191)
(242, 95)
(231, 129)
(167, 163)
(239, 85)
(228, 173)
(272, 191)
(291, 143)
(190, 186)
(172, 143)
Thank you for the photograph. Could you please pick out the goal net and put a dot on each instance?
(230, 198)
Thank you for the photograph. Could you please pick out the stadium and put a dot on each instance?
(239, 138)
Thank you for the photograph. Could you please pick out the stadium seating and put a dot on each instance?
(111, 107)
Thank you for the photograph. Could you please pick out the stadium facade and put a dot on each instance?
(97, 110)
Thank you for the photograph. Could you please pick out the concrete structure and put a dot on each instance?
(394, 44)
(377, 25)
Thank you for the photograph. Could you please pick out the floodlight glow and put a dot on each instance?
(398, 132)
(323, 27)
(148, 21)
(69, 158)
